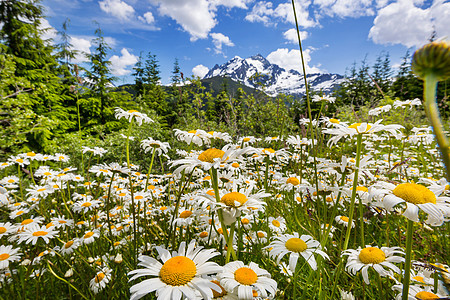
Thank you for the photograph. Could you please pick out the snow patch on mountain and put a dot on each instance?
(257, 70)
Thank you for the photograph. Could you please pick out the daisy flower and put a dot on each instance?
(417, 198)
(294, 245)
(418, 293)
(89, 236)
(277, 225)
(240, 279)
(7, 255)
(100, 280)
(33, 233)
(344, 221)
(69, 247)
(180, 275)
(6, 228)
(198, 137)
(158, 146)
(130, 114)
(375, 258)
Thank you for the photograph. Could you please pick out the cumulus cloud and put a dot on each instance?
(118, 9)
(219, 40)
(264, 12)
(197, 17)
(82, 46)
(147, 18)
(200, 71)
(291, 60)
(119, 64)
(348, 8)
(261, 12)
(416, 25)
(47, 31)
(291, 35)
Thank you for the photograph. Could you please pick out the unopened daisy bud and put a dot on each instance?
(90, 260)
(118, 258)
(25, 262)
(433, 58)
(69, 273)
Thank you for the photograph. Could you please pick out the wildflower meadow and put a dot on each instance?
(353, 205)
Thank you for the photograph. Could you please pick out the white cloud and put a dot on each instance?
(82, 46)
(118, 9)
(219, 40)
(291, 60)
(197, 17)
(200, 71)
(47, 31)
(147, 18)
(404, 23)
(348, 8)
(119, 64)
(291, 35)
(285, 12)
(263, 12)
(231, 3)
(194, 16)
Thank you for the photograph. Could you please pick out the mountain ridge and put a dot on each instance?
(256, 70)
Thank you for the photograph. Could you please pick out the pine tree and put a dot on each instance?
(138, 76)
(100, 74)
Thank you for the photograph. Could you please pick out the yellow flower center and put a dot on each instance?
(4, 256)
(88, 235)
(130, 112)
(11, 181)
(293, 181)
(335, 121)
(139, 197)
(414, 193)
(418, 278)
(40, 233)
(362, 189)
(230, 199)
(192, 131)
(235, 165)
(19, 160)
(177, 271)
(245, 276)
(203, 234)
(41, 190)
(99, 277)
(86, 204)
(268, 150)
(372, 255)
(276, 223)
(426, 295)
(26, 222)
(210, 154)
(246, 139)
(2, 230)
(355, 126)
(344, 218)
(295, 245)
(210, 192)
(260, 234)
(217, 294)
(245, 221)
(68, 244)
(185, 214)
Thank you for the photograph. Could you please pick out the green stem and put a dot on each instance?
(352, 201)
(150, 169)
(407, 273)
(432, 111)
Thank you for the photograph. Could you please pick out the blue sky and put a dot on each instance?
(202, 33)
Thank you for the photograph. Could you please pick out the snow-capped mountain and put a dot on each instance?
(275, 79)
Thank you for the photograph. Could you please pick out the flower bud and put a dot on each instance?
(118, 259)
(433, 58)
(69, 273)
